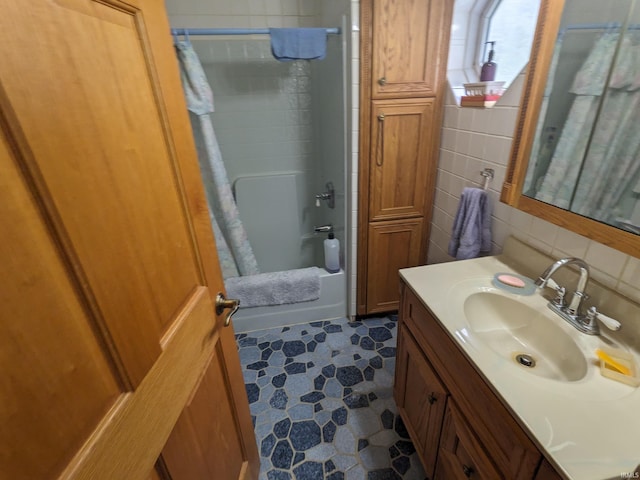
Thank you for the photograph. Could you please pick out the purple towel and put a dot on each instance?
(289, 44)
(471, 232)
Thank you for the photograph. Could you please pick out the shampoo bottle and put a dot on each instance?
(488, 72)
(332, 254)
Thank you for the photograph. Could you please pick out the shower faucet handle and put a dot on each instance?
(329, 196)
(324, 228)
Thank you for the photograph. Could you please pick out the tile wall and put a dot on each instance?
(242, 13)
(474, 139)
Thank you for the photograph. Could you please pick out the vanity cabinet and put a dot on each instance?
(478, 437)
(403, 52)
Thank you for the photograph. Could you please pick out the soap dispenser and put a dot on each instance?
(332, 254)
(488, 72)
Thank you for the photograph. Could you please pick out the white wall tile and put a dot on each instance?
(569, 244)
(605, 259)
(631, 272)
(630, 291)
(544, 231)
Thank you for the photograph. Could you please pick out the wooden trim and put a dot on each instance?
(364, 146)
(600, 232)
(533, 91)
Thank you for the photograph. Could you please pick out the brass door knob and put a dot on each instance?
(382, 81)
(223, 304)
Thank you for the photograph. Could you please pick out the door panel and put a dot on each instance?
(392, 246)
(105, 145)
(461, 454)
(409, 36)
(61, 390)
(113, 272)
(421, 398)
(203, 428)
(400, 159)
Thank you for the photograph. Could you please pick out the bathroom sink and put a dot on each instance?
(525, 336)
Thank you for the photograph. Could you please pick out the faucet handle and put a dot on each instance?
(551, 283)
(559, 301)
(610, 323)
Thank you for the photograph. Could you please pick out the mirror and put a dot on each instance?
(575, 159)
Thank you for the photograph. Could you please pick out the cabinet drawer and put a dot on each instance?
(512, 451)
(461, 455)
(421, 399)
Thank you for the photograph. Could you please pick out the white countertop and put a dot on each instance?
(590, 428)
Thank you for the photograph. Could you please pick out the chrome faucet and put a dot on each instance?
(579, 294)
(586, 323)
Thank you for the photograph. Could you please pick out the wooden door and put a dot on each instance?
(421, 398)
(410, 46)
(401, 158)
(108, 267)
(392, 245)
(461, 454)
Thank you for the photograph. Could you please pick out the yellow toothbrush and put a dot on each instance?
(614, 363)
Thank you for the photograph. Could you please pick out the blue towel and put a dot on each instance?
(471, 232)
(289, 44)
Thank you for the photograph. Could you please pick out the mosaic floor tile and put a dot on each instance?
(321, 398)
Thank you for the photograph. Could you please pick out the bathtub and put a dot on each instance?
(329, 306)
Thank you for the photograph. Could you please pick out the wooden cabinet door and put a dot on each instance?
(402, 162)
(461, 455)
(109, 270)
(410, 46)
(421, 399)
(392, 246)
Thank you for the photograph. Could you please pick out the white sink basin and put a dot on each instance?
(524, 336)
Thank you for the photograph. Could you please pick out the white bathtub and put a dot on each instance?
(329, 306)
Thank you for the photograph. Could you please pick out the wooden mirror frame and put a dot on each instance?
(534, 87)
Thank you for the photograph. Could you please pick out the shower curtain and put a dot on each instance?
(234, 251)
(588, 86)
(539, 161)
(613, 161)
(593, 187)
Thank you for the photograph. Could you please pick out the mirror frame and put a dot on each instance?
(534, 87)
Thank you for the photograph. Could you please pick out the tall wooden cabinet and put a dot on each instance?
(404, 48)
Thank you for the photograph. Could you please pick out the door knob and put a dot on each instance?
(223, 304)
(382, 81)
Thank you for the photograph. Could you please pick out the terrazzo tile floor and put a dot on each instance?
(321, 398)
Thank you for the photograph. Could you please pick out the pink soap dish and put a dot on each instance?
(511, 280)
(514, 283)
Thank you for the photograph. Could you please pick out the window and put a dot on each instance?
(511, 24)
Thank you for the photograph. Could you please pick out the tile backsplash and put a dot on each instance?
(243, 13)
(474, 139)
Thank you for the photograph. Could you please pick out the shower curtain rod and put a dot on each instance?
(234, 31)
(598, 26)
